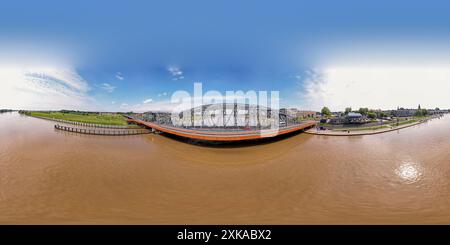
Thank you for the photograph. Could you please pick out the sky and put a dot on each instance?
(133, 55)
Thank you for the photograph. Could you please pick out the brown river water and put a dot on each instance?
(55, 177)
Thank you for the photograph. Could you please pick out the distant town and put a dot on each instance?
(5, 110)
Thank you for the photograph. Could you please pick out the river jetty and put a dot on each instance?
(103, 131)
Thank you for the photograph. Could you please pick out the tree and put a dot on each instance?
(418, 113)
(372, 115)
(347, 110)
(421, 113)
(364, 111)
(325, 111)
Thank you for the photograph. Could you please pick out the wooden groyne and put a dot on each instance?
(98, 131)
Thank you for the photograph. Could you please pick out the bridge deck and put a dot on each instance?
(210, 135)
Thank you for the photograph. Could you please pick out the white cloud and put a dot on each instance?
(107, 87)
(44, 88)
(178, 78)
(147, 101)
(377, 87)
(296, 76)
(176, 73)
(119, 76)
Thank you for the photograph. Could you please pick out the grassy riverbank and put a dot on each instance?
(384, 126)
(362, 128)
(95, 118)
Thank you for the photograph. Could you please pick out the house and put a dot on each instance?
(350, 118)
(354, 117)
(296, 113)
(404, 112)
(337, 120)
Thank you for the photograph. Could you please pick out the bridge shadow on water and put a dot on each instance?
(231, 144)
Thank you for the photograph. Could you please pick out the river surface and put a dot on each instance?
(56, 177)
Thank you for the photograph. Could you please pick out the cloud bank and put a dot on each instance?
(107, 87)
(44, 88)
(377, 87)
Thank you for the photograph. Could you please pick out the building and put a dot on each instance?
(403, 112)
(306, 114)
(350, 118)
(296, 113)
(355, 117)
(337, 120)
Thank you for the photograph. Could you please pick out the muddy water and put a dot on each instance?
(49, 176)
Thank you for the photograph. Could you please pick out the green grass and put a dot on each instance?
(378, 126)
(362, 128)
(108, 119)
(404, 122)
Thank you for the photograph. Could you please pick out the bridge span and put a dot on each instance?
(221, 135)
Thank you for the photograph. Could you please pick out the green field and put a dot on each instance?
(405, 122)
(105, 119)
(362, 128)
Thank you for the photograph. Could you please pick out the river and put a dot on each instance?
(55, 177)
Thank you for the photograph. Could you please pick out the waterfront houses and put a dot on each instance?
(401, 112)
(350, 118)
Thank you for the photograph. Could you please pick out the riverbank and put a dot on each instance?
(369, 131)
(88, 118)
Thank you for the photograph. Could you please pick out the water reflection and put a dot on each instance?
(409, 172)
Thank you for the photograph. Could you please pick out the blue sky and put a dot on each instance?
(116, 55)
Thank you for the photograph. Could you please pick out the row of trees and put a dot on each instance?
(364, 111)
(372, 113)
